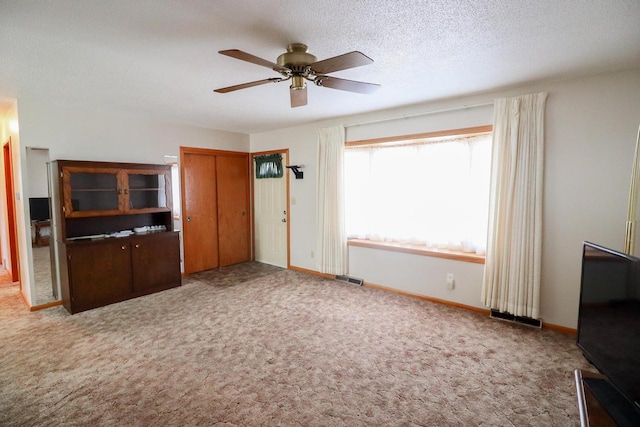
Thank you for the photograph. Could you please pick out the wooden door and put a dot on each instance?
(100, 273)
(155, 261)
(11, 214)
(233, 208)
(271, 219)
(199, 210)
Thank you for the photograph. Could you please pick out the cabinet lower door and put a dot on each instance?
(99, 274)
(156, 262)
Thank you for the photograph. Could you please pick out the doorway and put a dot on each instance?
(37, 193)
(271, 215)
(11, 213)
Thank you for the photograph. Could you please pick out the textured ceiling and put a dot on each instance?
(159, 58)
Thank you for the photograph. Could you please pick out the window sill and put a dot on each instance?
(418, 250)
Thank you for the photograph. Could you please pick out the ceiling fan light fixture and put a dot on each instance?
(296, 57)
(297, 65)
(297, 82)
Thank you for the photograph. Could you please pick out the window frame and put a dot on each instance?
(419, 249)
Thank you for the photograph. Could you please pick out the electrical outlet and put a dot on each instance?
(450, 281)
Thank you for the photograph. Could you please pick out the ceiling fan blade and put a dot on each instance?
(246, 85)
(341, 62)
(348, 85)
(298, 97)
(244, 56)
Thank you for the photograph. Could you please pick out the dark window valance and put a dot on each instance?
(269, 166)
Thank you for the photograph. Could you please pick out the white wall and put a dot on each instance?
(591, 126)
(23, 231)
(4, 227)
(81, 134)
(36, 173)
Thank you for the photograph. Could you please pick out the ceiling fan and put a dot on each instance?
(297, 65)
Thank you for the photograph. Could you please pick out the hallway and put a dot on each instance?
(5, 277)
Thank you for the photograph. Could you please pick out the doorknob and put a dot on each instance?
(188, 219)
(284, 219)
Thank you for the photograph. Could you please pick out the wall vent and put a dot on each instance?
(351, 280)
(508, 317)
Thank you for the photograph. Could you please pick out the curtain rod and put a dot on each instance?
(427, 113)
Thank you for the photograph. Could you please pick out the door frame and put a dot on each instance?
(11, 212)
(253, 221)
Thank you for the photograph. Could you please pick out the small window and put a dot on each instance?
(431, 191)
(269, 166)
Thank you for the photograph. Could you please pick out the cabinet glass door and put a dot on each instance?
(94, 191)
(147, 191)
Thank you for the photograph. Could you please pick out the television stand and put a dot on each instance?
(41, 239)
(600, 403)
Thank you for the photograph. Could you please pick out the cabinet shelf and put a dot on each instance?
(111, 189)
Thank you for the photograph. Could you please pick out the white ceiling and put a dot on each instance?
(158, 58)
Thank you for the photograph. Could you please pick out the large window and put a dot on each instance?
(429, 191)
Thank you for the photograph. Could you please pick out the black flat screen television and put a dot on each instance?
(39, 209)
(609, 328)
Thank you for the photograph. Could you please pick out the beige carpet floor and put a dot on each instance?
(255, 345)
(42, 275)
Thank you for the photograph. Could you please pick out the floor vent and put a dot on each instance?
(536, 323)
(352, 280)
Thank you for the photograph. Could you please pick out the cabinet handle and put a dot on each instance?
(123, 247)
(137, 245)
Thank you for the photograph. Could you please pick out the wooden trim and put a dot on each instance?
(438, 134)
(24, 298)
(12, 226)
(211, 152)
(46, 305)
(558, 328)
(550, 326)
(418, 250)
(487, 312)
(107, 167)
(427, 298)
(313, 272)
(183, 205)
(288, 212)
(252, 207)
(265, 153)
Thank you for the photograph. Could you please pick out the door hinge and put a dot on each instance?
(61, 175)
(64, 209)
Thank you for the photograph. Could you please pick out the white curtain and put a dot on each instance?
(330, 230)
(512, 264)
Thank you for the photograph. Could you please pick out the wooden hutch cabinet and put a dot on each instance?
(115, 228)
